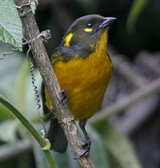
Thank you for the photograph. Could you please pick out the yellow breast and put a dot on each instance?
(85, 80)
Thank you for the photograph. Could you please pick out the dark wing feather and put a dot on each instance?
(55, 134)
(57, 137)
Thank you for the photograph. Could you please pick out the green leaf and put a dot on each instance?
(10, 24)
(135, 11)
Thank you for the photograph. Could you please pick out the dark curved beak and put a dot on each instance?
(107, 22)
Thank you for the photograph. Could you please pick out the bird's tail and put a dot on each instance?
(57, 137)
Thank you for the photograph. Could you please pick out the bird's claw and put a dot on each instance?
(85, 153)
(63, 98)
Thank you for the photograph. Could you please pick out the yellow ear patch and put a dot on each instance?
(76, 56)
(88, 30)
(68, 39)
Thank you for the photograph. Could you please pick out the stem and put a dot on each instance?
(30, 128)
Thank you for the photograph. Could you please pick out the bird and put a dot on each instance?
(83, 69)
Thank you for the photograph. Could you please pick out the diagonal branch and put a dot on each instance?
(40, 55)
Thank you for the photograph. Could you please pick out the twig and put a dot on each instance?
(39, 53)
(30, 2)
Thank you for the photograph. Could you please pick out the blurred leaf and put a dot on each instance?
(8, 131)
(98, 151)
(16, 81)
(119, 146)
(25, 91)
(31, 108)
(136, 9)
(20, 88)
(9, 68)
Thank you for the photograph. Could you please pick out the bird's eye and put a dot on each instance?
(89, 25)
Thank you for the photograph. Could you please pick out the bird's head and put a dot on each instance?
(87, 29)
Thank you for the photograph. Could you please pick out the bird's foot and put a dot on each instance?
(63, 98)
(86, 146)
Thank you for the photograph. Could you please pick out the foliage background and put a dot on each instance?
(134, 41)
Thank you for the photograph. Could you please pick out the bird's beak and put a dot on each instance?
(107, 22)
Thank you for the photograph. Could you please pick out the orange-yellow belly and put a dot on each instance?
(85, 81)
